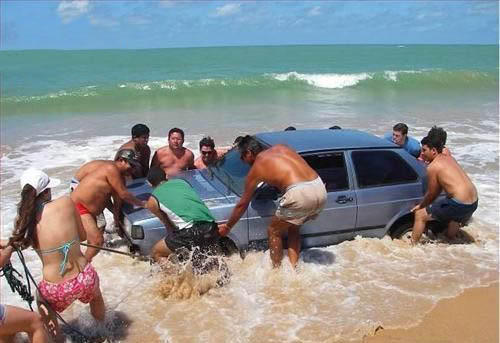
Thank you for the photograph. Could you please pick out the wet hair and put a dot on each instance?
(290, 128)
(156, 175)
(175, 130)
(401, 127)
(25, 224)
(249, 143)
(438, 132)
(139, 130)
(207, 141)
(335, 127)
(433, 141)
(237, 140)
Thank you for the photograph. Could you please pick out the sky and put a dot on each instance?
(100, 24)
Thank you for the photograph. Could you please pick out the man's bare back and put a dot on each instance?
(452, 179)
(95, 188)
(281, 167)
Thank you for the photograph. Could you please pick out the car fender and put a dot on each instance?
(405, 211)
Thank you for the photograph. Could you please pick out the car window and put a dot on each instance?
(331, 168)
(381, 167)
(232, 171)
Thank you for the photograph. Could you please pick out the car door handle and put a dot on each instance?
(342, 199)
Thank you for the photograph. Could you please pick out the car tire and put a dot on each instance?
(400, 230)
(227, 247)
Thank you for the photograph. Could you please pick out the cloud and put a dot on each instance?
(227, 10)
(69, 10)
(316, 10)
(101, 21)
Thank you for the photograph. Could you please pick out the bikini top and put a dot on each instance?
(64, 249)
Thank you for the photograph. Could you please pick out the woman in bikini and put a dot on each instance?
(54, 229)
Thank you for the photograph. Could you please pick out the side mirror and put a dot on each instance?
(266, 192)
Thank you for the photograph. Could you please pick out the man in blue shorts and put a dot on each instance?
(400, 137)
(183, 213)
(444, 173)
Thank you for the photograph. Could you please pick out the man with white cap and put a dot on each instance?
(104, 180)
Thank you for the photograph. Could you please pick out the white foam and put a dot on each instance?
(325, 80)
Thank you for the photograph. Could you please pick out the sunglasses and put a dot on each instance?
(206, 152)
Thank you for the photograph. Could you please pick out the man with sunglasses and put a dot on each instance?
(304, 194)
(208, 153)
(103, 180)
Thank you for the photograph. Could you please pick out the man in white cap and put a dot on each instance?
(103, 180)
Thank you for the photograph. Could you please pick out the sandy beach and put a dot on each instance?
(470, 317)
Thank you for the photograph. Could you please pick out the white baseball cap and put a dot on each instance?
(38, 180)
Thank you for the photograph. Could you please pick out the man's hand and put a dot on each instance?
(416, 208)
(223, 229)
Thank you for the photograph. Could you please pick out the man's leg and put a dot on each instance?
(274, 233)
(160, 250)
(452, 230)
(421, 218)
(20, 320)
(94, 235)
(294, 244)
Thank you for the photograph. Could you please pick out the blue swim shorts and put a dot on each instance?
(449, 209)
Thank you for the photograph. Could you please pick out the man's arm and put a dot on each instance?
(152, 205)
(154, 161)
(251, 183)
(145, 166)
(190, 164)
(433, 189)
(116, 182)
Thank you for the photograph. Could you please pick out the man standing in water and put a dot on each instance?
(180, 209)
(139, 143)
(104, 179)
(444, 173)
(303, 199)
(174, 157)
(400, 137)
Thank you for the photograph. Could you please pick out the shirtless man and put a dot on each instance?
(139, 143)
(95, 190)
(303, 199)
(444, 173)
(209, 154)
(174, 157)
(441, 134)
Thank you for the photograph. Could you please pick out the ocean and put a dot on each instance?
(60, 109)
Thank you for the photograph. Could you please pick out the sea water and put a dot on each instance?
(60, 109)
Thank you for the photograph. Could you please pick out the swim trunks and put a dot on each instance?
(82, 209)
(100, 219)
(302, 201)
(83, 287)
(449, 209)
(3, 314)
(200, 234)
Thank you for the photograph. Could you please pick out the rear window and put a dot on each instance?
(331, 168)
(381, 167)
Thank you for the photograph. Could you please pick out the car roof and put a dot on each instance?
(325, 139)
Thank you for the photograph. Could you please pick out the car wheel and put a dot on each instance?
(402, 230)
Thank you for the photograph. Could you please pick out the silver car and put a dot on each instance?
(372, 185)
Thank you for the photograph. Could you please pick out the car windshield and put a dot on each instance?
(232, 171)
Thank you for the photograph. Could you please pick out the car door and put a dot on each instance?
(385, 184)
(337, 220)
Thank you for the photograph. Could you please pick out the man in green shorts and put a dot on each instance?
(186, 217)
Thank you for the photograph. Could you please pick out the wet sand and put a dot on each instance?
(471, 317)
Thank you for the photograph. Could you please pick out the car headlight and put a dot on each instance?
(137, 232)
